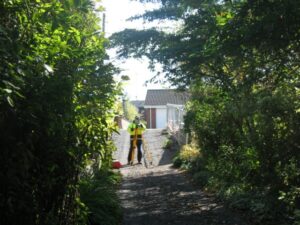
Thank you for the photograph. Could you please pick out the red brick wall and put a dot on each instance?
(146, 116)
(153, 117)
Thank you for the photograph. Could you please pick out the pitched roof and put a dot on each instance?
(166, 96)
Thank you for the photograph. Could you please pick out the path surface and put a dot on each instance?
(161, 195)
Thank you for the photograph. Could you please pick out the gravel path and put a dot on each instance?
(161, 195)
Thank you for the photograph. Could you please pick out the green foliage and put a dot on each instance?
(187, 157)
(239, 59)
(297, 217)
(55, 99)
(167, 144)
(247, 147)
(132, 111)
(201, 178)
(126, 109)
(98, 195)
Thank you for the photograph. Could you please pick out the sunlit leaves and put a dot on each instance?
(223, 18)
(76, 34)
(240, 60)
(55, 95)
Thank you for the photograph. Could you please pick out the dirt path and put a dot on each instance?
(162, 195)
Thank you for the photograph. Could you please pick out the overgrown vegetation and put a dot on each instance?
(56, 95)
(240, 61)
(100, 201)
(126, 109)
(187, 156)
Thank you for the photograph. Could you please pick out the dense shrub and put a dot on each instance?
(56, 95)
(98, 195)
(187, 155)
(249, 147)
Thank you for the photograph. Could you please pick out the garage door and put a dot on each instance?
(161, 118)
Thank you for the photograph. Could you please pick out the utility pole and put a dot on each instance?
(124, 107)
(103, 23)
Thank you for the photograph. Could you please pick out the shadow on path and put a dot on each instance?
(164, 197)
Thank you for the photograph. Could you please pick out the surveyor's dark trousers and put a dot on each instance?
(139, 152)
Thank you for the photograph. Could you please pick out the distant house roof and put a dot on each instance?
(138, 103)
(166, 96)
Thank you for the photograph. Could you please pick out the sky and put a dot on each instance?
(116, 13)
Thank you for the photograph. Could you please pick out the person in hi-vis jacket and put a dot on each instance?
(136, 130)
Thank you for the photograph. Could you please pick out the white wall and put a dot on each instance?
(175, 115)
(161, 118)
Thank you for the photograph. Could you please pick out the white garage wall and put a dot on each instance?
(161, 118)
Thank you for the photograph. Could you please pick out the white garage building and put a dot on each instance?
(164, 108)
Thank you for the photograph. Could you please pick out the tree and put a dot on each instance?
(55, 99)
(132, 111)
(239, 59)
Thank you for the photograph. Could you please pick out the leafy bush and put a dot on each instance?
(249, 147)
(297, 217)
(98, 195)
(189, 153)
(201, 178)
(168, 143)
(186, 156)
(56, 95)
(177, 161)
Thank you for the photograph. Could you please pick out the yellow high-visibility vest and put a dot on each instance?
(138, 128)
